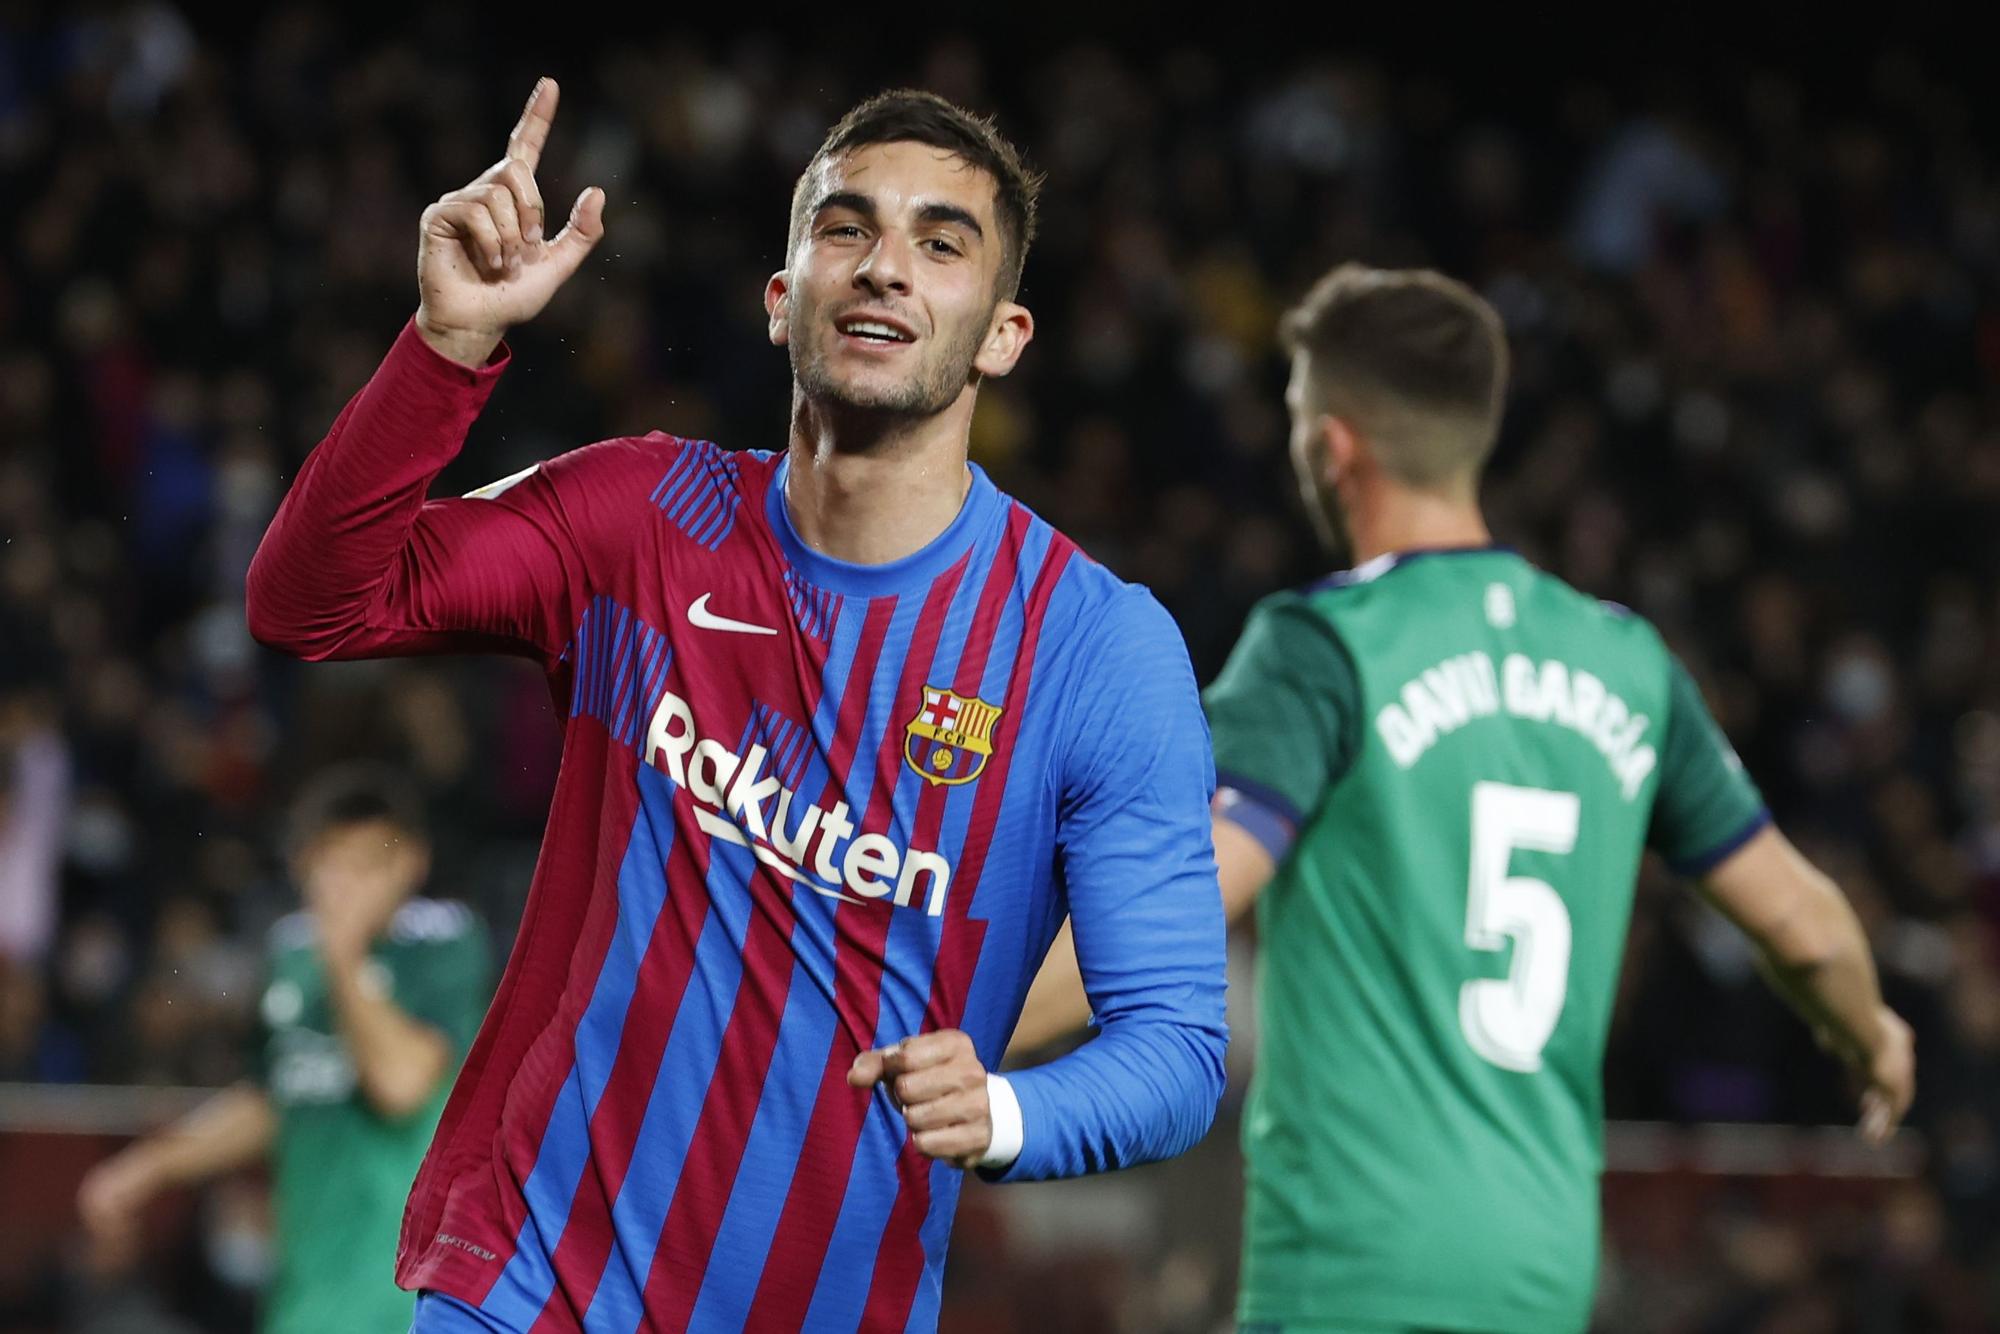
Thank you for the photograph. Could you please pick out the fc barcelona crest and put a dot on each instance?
(951, 738)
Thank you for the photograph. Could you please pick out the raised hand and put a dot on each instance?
(351, 907)
(483, 262)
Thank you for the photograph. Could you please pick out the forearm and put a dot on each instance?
(1145, 1089)
(398, 1062)
(232, 1130)
(317, 583)
(1811, 944)
(1831, 982)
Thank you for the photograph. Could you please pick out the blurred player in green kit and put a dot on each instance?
(372, 998)
(1436, 773)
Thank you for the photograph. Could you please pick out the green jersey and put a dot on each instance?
(1459, 760)
(341, 1171)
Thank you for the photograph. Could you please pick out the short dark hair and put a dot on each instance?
(1417, 360)
(910, 115)
(359, 792)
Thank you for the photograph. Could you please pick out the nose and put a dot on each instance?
(886, 266)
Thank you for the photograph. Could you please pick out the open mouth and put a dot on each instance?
(874, 332)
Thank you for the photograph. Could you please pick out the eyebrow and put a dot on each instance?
(951, 213)
(856, 202)
(851, 200)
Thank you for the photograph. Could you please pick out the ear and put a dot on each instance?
(1012, 329)
(777, 305)
(1344, 450)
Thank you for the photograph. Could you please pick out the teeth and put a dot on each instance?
(874, 330)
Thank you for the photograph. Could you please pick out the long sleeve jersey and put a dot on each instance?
(805, 807)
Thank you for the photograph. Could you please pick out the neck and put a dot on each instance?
(870, 489)
(1398, 518)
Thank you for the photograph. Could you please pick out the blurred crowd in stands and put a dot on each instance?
(1756, 350)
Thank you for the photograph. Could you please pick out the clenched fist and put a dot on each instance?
(938, 1081)
(483, 262)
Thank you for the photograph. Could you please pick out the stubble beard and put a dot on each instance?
(1324, 508)
(933, 387)
(1331, 520)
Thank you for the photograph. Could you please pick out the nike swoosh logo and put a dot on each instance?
(702, 618)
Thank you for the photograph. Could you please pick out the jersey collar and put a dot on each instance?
(982, 503)
(1370, 570)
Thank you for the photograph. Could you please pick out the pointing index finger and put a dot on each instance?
(524, 145)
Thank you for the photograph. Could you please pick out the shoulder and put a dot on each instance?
(1634, 640)
(602, 461)
(424, 921)
(604, 490)
(1301, 625)
(1076, 590)
(1112, 620)
(699, 488)
(1342, 594)
(1290, 644)
(1096, 627)
(1616, 621)
(638, 465)
(1125, 670)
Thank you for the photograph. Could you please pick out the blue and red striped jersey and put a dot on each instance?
(805, 807)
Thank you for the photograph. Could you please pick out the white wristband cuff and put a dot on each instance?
(1005, 1113)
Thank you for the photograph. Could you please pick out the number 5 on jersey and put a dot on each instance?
(1509, 1020)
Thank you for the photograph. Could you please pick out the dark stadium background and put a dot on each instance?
(1749, 273)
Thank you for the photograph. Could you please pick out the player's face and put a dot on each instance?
(890, 304)
(368, 859)
(1309, 459)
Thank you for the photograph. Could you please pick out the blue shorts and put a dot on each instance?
(441, 1313)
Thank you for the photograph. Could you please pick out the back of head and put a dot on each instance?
(1414, 361)
(351, 794)
(909, 115)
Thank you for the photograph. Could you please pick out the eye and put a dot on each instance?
(938, 245)
(841, 229)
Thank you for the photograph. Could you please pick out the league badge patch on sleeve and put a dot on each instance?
(496, 489)
(951, 738)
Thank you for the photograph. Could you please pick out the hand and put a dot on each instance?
(113, 1194)
(351, 907)
(938, 1081)
(1889, 1073)
(482, 263)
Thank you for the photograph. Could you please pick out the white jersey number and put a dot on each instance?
(1508, 1020)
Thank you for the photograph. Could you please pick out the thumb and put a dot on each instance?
(584, 230)
(866, 1070)
(1876, 1116)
